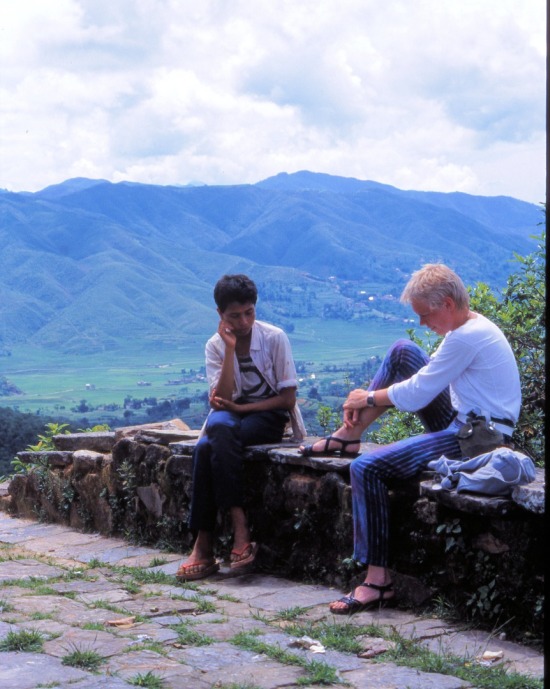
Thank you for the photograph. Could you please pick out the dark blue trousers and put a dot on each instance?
(218, 460)
(403, 459)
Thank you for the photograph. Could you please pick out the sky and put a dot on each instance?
(431, 95)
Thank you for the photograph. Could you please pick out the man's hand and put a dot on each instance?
(226, 333)
(221, 404)
(357, 400)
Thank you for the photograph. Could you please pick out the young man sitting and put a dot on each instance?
(252, 380)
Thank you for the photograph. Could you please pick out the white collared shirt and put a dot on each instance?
(271, 353)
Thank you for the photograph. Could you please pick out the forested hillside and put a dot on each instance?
(87, 264)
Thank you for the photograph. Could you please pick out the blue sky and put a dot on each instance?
(445, 95)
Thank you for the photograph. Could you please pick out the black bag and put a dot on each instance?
(478, 436)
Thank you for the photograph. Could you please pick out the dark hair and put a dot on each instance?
(231, 288)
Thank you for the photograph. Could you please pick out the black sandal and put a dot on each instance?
(308, 451)
(354, 605)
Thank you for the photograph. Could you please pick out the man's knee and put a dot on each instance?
(403, 345)
(220, 423)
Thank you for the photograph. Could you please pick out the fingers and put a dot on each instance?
(352, 418)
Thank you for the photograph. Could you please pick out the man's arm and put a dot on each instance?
(286, 399)
(226, 380)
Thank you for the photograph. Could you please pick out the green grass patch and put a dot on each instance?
(95, 627)
(84, 659)
(202, 604)
(28, 640)
(148, 679)
(5, 606)
(346, 638)
(189, 636)
(158, 562)
(145, 576)
(41, 616)
(411, 654)
(316, 672)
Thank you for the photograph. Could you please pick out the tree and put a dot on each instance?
(521, 314)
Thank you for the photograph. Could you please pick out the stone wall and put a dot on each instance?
(483, 556)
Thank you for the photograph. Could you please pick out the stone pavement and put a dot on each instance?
(93, 597)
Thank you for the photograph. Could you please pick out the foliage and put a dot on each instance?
(149, 680)
(29, 640)
(17, 430)
(521, 314)
(395, 426)
(45, 443)
(45, 440)
(87, 659)
(95, 429)
(328, 419)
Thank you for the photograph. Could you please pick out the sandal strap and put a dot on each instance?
(349, 600)
(343, 443)
(382, 589)
(242, 551)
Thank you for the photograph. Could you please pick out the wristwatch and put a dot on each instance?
(371, 402)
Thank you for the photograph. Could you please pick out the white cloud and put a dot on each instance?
(434, 94)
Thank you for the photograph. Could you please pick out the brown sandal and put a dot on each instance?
(241, 560)
(205, 569)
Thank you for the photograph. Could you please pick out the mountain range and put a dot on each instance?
(87, 264)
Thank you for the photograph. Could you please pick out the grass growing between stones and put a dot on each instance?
(41, 616)
(338, 637)
(187, 636)
(149, 680)
(346, 638)
(95, 627)
(28, 640)
(148, 645)
(142, 575)
(291, 613)
(5, 606)
(316, 672)
(412, 654)
(158, 562)
(202, 604)
(84, 659)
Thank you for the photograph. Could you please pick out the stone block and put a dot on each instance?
(300, 491)
(87, 460)
(98, 441)
(152, 498)
(51, 458)
(531, 496)
(176, 425)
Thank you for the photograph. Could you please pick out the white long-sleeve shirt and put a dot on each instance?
(477, 363)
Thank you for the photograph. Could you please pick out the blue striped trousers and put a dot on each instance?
(403, 459)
